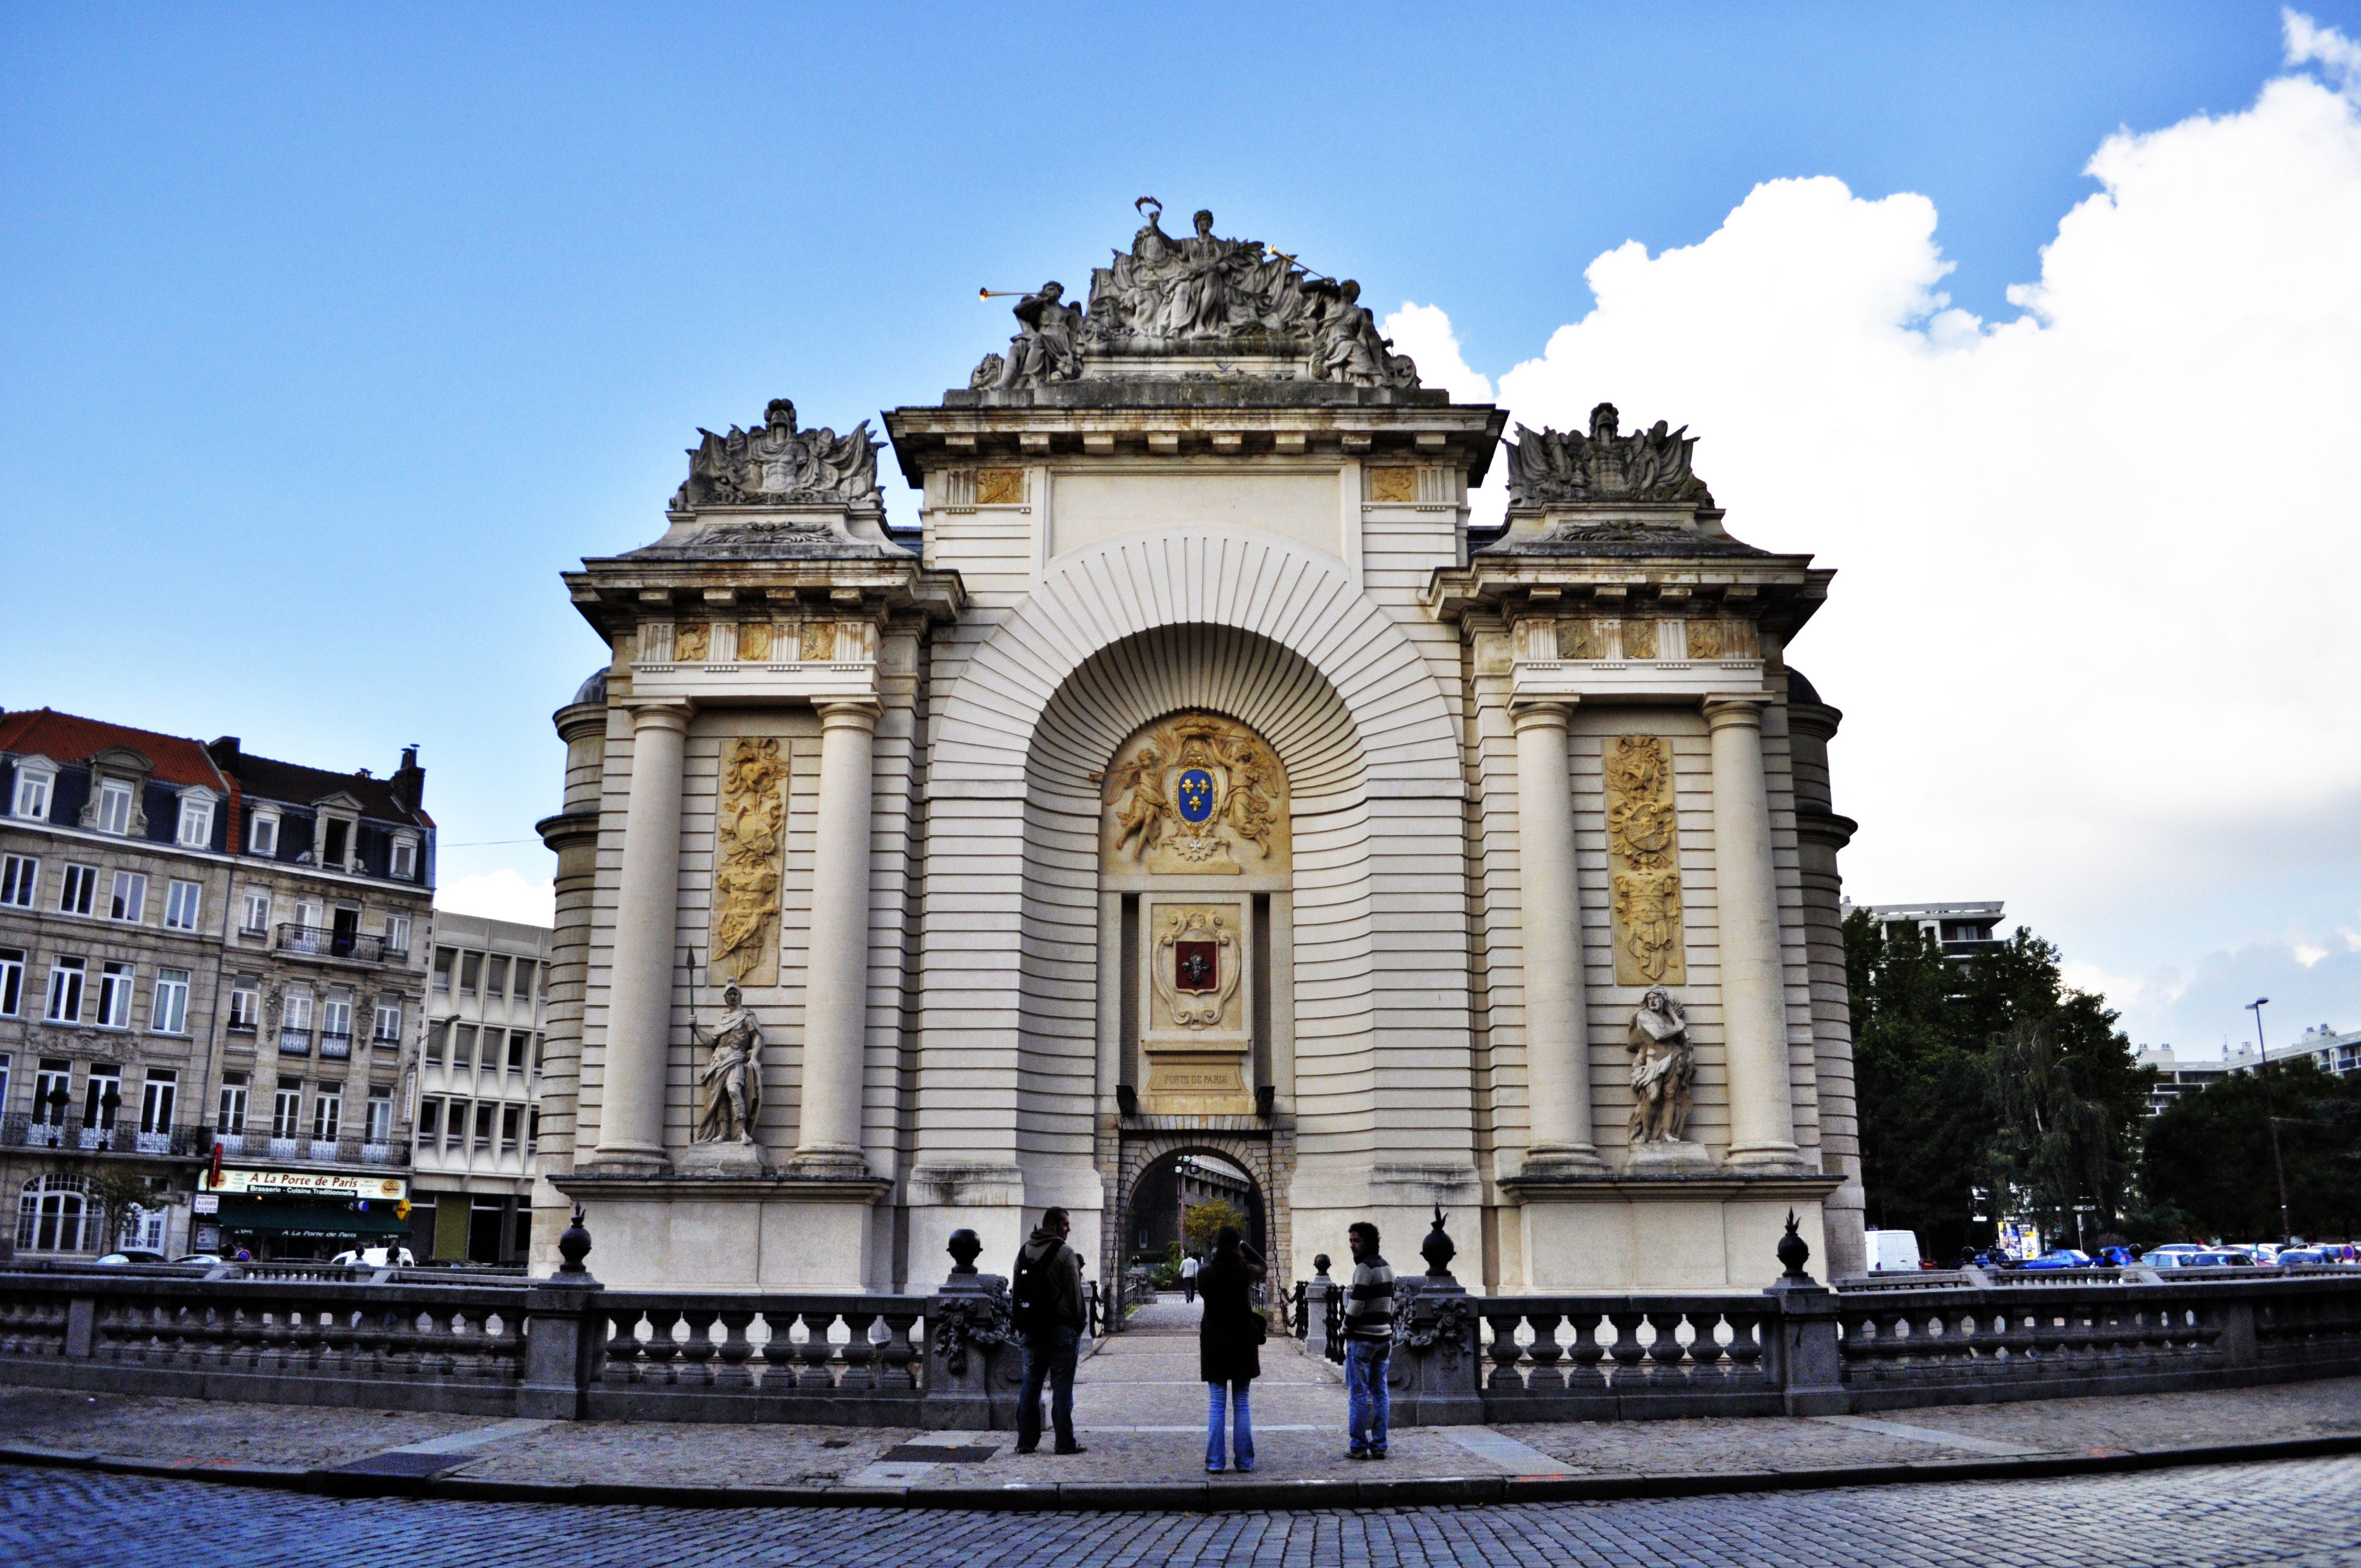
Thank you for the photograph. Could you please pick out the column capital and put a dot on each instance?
(661, 713)
(1724, 710)
(1541, 712)
(848, 713)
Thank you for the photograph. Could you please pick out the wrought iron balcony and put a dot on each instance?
(321, 1151)
(120, 1137)
(335, 1046)
(324, 942)
(294, 1042)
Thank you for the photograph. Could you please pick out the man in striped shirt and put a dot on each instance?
(1369, 1344)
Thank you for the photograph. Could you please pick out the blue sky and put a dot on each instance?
(327, 339)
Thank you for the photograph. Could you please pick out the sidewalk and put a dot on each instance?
(1140, 1413)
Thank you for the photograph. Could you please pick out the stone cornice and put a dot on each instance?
(1779, 593)
(1462, 436)
(614, 592)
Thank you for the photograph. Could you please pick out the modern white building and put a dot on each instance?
(1203, 784)
(478, 1116)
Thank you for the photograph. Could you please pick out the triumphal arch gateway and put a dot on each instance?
(1193, 780)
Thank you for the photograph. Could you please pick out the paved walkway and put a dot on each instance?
(1142, 1414)
(2302, 1515)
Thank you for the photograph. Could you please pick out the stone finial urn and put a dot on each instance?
(1438, 1248)
(963, 1247)
(1320, 1265)
(1795, 1252)
(574, 1244)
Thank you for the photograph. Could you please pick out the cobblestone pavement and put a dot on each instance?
(1142, 1415)
(2302, 1512)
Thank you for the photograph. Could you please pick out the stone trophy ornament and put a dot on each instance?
(1663, 1072)
(730, 1093)
(1651, 465)
(777, 465)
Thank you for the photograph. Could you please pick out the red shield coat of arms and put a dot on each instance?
(1196, 966)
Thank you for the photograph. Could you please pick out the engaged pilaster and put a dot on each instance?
(1753, 1002)
(1558, 1046)
(639, 1013)
(836, 996)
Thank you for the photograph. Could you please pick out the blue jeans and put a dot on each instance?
(1049, 1354)
(1239, 1393)
(1367, 1405)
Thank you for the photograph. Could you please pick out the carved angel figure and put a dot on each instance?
(1664, 1069)
(1143, 816)
(732, 1079)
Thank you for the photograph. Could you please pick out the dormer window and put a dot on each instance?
(114, 814)
(405, 857)
(34, 783)
(196, 828)
(335, 841)
(266, 833)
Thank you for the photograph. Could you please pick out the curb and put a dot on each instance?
(1200, 1496)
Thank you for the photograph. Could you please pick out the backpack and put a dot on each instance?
(1032, 1309)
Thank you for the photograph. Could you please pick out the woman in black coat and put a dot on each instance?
(1229, 1344)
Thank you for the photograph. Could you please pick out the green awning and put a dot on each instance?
(309, 1223)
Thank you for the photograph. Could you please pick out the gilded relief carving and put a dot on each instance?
(1580, 640)
(1199, 792)
(999, 487)
(689, 644)
(1393, 484)
(818, 641)
(755, 641)
(1705, 638)
(749, 832)
(1195, 965)
(1643, 861)
(1639, 639)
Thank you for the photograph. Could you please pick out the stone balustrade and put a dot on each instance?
(566, 1348)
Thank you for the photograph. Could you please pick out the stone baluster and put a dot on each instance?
(662, 1350)
(1627, 1350)
(897, 1358)
(860, 1352)
(735, 1348)
(1663, 1369)
(1706, 1352)
(1545, 1353)
(1504, 1383)
(697, 1351)
(1745, 1347)
(639, 1009)
(814, 1352)
(1586, 1374)
(1557, 1041)
(836, 993)
(1753, 989)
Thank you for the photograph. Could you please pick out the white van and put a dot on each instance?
(1892, 1252)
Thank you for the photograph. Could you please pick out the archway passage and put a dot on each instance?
(1150, 1178)
(1168, 1194)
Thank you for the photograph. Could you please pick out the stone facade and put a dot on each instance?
(267, 924)
(1199, 782)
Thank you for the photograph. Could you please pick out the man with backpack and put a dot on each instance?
(1045, 1307)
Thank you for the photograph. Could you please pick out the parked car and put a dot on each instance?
(375, 1257)
(130, 1254)
(2288, 1257)
(209, 1259)
(2225, 1257)
(2058, 1257)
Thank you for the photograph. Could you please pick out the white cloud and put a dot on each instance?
(2070, 631)
(500, 895)
(1423, 332)
(2308, 43)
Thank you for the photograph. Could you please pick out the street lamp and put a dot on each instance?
(2263, 1069)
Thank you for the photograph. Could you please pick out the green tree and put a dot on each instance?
(2206, 1169)
(1200, 1222)
(1985, 1072)
(112, 1192)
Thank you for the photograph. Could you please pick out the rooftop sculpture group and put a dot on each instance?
(1165, 294)
(1650, 464)
(776, 464)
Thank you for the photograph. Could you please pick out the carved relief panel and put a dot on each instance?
(751, 829)
(1198, 1042)
(1195, 795)
(1643, 861)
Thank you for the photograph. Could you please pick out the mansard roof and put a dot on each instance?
(68, 737)
(293, 784)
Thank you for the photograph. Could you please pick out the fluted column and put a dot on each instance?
(1753, 998)
(836, 992)
(1557, 1041)
(638, 1008)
